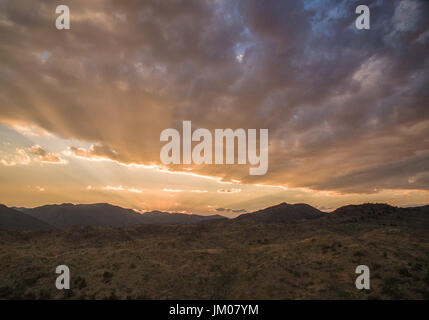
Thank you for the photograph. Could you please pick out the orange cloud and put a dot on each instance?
(19, 157)
(46, 157)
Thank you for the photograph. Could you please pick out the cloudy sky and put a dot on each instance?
(81, 110)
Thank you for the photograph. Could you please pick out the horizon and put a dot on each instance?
(82, 110)
(228, 215)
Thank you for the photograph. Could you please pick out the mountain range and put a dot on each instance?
(107, 215)
(11, 219)
(98, 214)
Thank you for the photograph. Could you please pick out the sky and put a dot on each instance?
(81, 110)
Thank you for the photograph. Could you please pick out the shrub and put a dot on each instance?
(426, 279)
(404, 272)
(5, 291)
(389, 287)
(80, 283)
(359, 254)
(107, 276)
(44, 294)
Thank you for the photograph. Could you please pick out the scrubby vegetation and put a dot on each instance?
(313, 259)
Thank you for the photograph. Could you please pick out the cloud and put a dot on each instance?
(172, 190)
(342, 106)
(232, 190)
(24, 156)
(112, 188)
(29, 130)
(117, 188)
(182, 190)
(239, 211)
(19, 157)
(95, 152)
(134, 190)
(231, 210)
(46, 157)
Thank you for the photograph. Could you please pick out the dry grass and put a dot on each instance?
(221, 260)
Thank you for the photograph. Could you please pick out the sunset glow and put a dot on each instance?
(82, 110)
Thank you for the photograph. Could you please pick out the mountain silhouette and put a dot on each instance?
(374, 211)
(283, 212)
(11, 219)
(159, 217)
(366, 210)
(106, 215)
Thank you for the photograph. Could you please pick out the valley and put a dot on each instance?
(243, 258)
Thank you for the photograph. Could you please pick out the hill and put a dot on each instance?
(367, 209)
(375, 212)
(100, 214)
(159, 217)
(14, 220)
(106, 215)
(283, 212)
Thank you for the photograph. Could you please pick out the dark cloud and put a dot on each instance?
(347, 110)
(239, 211)
(41, 155)
(231, 210)
(96, 151)
(232, 190)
